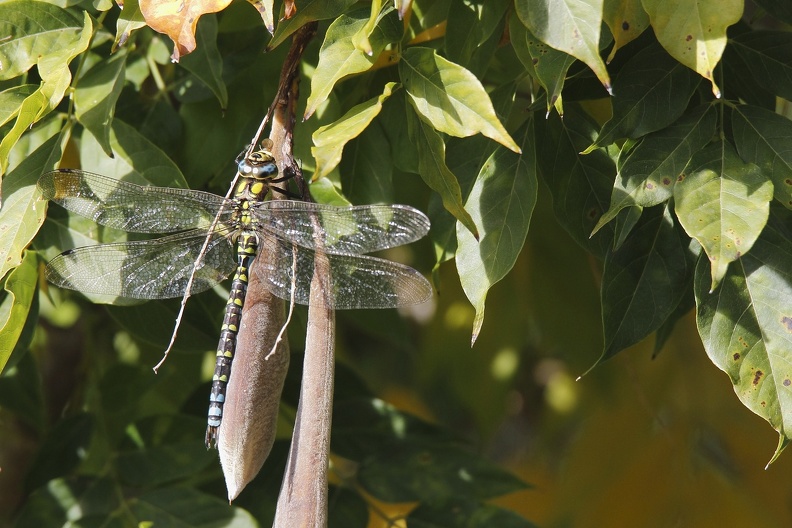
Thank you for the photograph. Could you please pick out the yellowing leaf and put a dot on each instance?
(723, 203)
(265, 7)
(571, 26)
(694, 32)
(626, 20)
(178, 19)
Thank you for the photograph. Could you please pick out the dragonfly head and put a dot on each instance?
(260, 165)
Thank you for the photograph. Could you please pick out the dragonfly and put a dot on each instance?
(212, 237)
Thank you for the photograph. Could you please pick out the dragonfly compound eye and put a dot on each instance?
(258, 165)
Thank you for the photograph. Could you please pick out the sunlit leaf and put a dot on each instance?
(96, 95)
(571, 26)
(626, 20)
(548, 65)
(500, 203)
(32, 31)
(768, 55)
(339, 58)
(694, 32)
(12, 99)
(206, 63)
(53, 68)
(433, 169)
(130, 19)
(652, 91)
(762, 137)
(178, 19)
(450, 97)
(310, 11)
(644, 280)
(648, 174)
(329, 140)
(746, 327)
(20, 287)
(723, 203)
(361, 39)
(23, 210)
(265, 9)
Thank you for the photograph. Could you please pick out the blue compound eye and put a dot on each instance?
(260, 164)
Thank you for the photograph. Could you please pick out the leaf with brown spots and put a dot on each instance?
(694, 32)
(178, 19)
(265, 9)
(626, 20)
(723, 203)
(648, 173)
(743, 325)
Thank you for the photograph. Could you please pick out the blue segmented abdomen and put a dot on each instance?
(246, 252)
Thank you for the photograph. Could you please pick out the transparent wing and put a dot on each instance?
(131, 207)
(146, 269)
(347, 230)
(358, 281)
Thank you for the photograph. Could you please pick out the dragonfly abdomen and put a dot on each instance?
(247, 245)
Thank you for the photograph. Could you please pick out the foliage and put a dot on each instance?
(680, 188)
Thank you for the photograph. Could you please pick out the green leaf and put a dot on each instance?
(746, 327)
(450, 97)
(136, 158)
(571, 26)
(652, 91)
(186, 507)
(782, 10)
(432, 168)
(413, 472)
(648, 174)
(309, 11)
(367, 168)
(21, 393)
(644, 280)
(96, 94)
(500, 203)
(168, 451)
(33, 31)
(20, 287)
(361, 38)
(129, 19)
(205, 63)
(626, 20)
(11, 101)
(23, 210)
(339, 57)
(762, 137)
(768, 55)
(723, 203)
(548, 65)
(471, 24)
(580, 184)
(53, 68)
(694, 32)
(62, 450)
(458, 513)
(329, 140)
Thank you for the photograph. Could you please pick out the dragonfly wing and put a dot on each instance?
(346, 230)
(146, 269)
(123, 205)
(358, 281)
